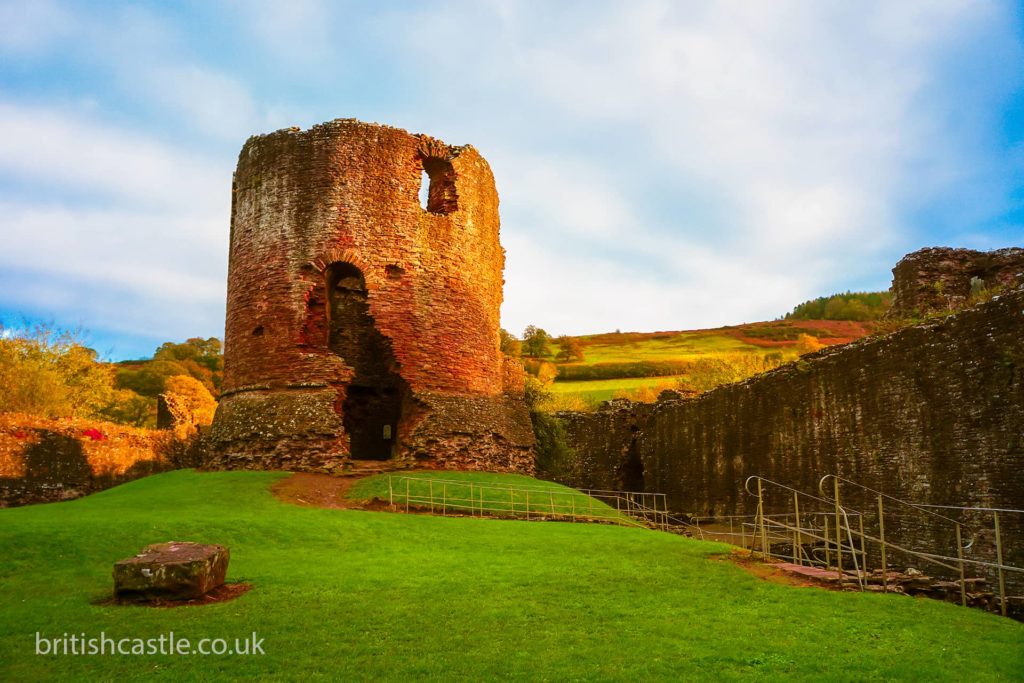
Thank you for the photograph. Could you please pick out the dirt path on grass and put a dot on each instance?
(767, 572)
(317, 490)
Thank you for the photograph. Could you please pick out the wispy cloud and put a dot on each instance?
(811, 129)
(142, 252)
(67, 149)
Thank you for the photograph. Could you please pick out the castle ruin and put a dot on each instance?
(945, 279)
(362, 322)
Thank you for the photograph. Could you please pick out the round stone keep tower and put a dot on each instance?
(364, 287)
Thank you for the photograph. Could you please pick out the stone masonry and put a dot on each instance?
(361, 324)
(932, 413)
(941, 278)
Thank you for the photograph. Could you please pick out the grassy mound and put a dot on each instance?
(354, 595)
(506, 495)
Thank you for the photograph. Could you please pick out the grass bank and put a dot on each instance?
(355, 595)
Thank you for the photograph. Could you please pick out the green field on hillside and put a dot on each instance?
(674, 346)
(356, 595)
(593, 392)
(615, 363)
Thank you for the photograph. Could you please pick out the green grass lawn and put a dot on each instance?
(355, 595)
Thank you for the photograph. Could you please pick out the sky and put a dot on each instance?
(661, 165)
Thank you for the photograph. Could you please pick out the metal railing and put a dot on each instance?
(452, 496)
(958, 564)
(820, 530)
(651, 507)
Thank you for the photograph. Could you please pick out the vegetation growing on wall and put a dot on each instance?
(555, 457)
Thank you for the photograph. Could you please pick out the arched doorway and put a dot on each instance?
(373, 401)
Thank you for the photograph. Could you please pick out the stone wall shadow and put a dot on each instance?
(57, 468)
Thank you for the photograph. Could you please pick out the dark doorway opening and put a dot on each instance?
(633, 469)
(373, 400)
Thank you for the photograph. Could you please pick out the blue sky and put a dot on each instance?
(661, 164)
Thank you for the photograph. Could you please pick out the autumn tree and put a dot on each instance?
(510, 346)
(195, 395)
(805, 343)
(535, 342)
(570, 349)
(198, 358)
(50, 372)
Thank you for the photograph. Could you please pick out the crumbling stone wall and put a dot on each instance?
(45, 460)
(605, 446)
(332, 255)
(940, 278)
(932, 413)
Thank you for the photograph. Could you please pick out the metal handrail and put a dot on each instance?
(844, 512)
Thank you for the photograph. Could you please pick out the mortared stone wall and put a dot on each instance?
(360, 323)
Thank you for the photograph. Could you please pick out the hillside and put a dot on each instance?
(356, 595)
(639, 365)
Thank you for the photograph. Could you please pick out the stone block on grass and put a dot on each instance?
(176, 570)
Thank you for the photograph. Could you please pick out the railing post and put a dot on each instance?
(743, 534)
(527, 503)
(512, 501)
(391, 493)
(881, 538)
(828, 547)
(444, 498)
(431, 496)
(863, 549)
(796, 533)
(960, 557)
(839, 528)
(551, 499)
(999, 559)
(407, 495)
(765, 549)
(590, 506)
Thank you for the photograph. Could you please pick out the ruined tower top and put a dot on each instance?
(362, 320)
(943, 278)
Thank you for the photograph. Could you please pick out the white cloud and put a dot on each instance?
(810, 128)
(139, 245)
(598, 294)
(302, 33)
(140, 272)
(660, 164)
(31, 27)
(206, 99)
(566, 194)
(61, 149)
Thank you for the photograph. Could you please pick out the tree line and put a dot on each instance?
(860, 306)
(50, 372)
(536, 343)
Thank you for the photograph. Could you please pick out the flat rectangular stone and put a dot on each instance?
(176, 570)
